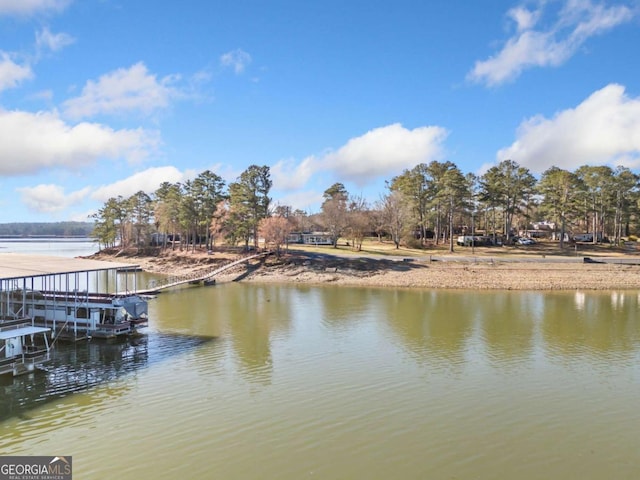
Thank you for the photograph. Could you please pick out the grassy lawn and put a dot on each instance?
(371, 246)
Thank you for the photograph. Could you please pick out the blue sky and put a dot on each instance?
(100, 98)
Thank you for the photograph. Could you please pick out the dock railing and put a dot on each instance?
(14, 323)
(175, 280)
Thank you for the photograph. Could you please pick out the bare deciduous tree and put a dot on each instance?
(359, 220)
(395, 214)
(275, 231)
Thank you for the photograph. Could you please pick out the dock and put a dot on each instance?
(72, 298)
(207, 277)
(20, 350)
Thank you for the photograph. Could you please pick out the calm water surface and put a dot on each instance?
(282, 382)
(59, 247)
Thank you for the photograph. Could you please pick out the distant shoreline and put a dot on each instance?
(79, 238)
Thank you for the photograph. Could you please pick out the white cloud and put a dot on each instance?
(385, 151)
(30, 7)
(121, 91)
(287, 175)
(12, 74)
(30, 142)
(148, 181)
(524, 18)
(603, 129)
(238, 59)
(80, 216)
(45, 40)
(551, 46)
(381, 152)
(306, 200)
(42, 95)
(48, 198)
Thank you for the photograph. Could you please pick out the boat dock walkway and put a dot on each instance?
(197, 277)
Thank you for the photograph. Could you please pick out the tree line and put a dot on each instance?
(429, 202)
(51, 229)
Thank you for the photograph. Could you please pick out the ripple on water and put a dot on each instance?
(78, 367)
(363, 397)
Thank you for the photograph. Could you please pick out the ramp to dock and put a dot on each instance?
(177, 280)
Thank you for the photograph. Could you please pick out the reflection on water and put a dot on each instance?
(600, 327)
(75, 368)
(433, 328)
(341, 382)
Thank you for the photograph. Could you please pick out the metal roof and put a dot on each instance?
(21, 332)
(20, 265)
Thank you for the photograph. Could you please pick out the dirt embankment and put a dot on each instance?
(454, 273)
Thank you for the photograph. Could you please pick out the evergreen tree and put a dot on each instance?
(249, 202)
(596, 184)
(208, 191)
(506, 187)
(560, 190)
(141, 209)
(167, 211)
(413, 185)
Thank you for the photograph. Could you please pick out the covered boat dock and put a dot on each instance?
(20, 351)
(74, 297)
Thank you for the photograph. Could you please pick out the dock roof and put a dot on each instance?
(20, 265)
(21, 332)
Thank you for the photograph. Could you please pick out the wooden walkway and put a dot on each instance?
(156, 286)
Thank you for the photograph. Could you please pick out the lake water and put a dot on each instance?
(64, 247)
(285, 382)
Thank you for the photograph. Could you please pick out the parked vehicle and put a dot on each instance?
(479, 241)
(586, 237)
(525, 241)
(472, 240)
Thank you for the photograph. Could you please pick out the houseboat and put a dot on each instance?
(78, 314)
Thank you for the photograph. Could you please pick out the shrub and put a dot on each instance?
(411, 242)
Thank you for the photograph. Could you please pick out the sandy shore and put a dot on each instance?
(454, 273)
